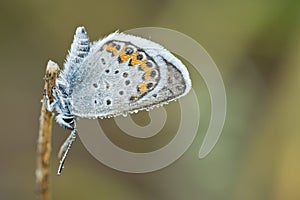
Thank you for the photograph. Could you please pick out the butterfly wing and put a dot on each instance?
(123, 74)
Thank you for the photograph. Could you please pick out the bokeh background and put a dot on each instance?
(256, 46)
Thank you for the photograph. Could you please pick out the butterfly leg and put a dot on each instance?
(49, 106)
(64, 149)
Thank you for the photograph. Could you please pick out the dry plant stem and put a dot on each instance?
(44, 137)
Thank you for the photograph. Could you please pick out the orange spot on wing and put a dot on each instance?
(111, 49)
(147, 71)
(143, 87)
(124, 57)
(147, 75)
(135, 61)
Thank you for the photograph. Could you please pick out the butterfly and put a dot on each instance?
(116, 75)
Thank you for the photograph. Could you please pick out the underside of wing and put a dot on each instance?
(124, 74)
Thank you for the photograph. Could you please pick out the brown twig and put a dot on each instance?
(44, 137)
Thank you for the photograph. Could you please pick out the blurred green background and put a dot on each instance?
(256, 46)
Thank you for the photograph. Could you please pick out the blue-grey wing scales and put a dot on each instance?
(124, 74)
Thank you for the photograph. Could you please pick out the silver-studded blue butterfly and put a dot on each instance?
(116, 75)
